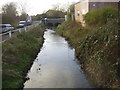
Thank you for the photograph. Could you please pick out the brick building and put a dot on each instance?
(85, 6)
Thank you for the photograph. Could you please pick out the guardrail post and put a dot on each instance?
(19, 30)
(25, 29)
(10, 35)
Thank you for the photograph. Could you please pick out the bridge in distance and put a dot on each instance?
(53, 22)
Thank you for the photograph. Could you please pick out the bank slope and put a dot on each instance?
(97, 49)
(18, 54)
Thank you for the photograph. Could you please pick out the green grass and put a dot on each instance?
(18, 54)
(97, 49)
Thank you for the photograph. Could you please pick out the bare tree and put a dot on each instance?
(22, 5)
(56, 6)
(60, 7)
(23, 16)
(9, 13)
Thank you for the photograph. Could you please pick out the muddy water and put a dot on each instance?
(56, 66)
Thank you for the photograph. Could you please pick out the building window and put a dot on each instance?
(78, 13)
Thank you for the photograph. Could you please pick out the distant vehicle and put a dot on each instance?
(29, 22)
(5, 27)
(22, 24)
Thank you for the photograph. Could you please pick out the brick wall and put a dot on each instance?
(98, 5)
(84, 7)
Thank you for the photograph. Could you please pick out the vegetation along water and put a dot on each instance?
(97, 45)
(18, 54)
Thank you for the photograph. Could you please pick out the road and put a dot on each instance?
(5, 36)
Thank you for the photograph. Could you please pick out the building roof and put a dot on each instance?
(97, 1)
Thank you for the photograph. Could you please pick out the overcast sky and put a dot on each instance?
(34, 7)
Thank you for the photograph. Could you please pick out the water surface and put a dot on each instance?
(56, 66)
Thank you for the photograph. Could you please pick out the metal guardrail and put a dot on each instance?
(18, 30)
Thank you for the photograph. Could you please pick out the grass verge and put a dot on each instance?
(18, 54)
(97, 49)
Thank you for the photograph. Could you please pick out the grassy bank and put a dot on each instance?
(97, 49)
(18, 54)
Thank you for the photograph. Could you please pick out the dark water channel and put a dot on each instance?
(56, 66)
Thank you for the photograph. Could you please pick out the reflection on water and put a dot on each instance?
(55, 66)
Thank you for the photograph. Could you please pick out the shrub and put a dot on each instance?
(100, 17)
(69, 17)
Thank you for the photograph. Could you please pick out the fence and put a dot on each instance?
(10, 33)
